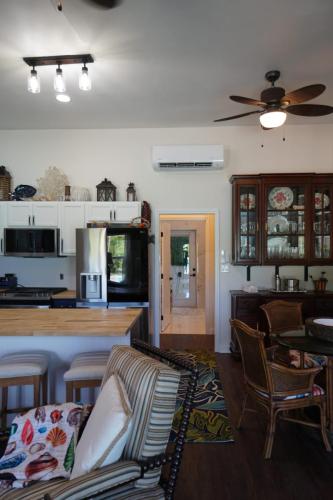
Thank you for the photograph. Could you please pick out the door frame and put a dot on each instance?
(156, 305)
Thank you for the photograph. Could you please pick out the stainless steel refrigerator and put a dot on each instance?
(91, 266)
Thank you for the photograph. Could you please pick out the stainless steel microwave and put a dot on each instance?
(31, 242)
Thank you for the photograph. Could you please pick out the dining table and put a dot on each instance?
(315, 345)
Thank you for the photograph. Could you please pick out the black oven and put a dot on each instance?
(31, 242)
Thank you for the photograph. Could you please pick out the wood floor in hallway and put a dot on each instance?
(187, 320)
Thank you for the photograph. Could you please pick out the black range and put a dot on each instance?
(28, 296)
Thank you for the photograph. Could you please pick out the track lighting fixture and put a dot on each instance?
(59, 81)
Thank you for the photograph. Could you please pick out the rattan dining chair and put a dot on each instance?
(276, 388)
(284, 318)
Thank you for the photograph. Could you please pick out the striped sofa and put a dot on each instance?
(152, 389)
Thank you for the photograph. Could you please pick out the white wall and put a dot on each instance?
(87, 156)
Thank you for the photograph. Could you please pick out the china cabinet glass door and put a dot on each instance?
(248, 227)
(285, 224)
(322, 223)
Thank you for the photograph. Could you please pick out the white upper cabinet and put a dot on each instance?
(71, 217)
(125, 211)
(38, 214)
(113, 211)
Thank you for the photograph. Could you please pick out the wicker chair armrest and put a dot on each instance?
(290, 381)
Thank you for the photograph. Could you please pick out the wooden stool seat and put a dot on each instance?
(18, 369)
(87, 370)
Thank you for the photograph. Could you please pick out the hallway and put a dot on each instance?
(186, 320)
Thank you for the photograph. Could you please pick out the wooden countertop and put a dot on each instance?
(67, 294)
(67, 322)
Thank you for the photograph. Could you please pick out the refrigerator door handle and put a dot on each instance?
(110, 214)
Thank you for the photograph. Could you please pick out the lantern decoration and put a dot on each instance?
(106, 191)
(130, 192)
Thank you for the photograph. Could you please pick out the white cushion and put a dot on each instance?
(107, 429)
(23, 365)
(89, 372)
(93, 358)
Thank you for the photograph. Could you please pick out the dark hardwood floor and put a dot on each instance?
(186, 341)
(300, 468)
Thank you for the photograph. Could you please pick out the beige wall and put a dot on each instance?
(87, 156)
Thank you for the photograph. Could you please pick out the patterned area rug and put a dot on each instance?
(209, 419)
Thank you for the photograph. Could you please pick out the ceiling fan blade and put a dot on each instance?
(237, 116)
(304, 94)
(310, 109)
(246, 100)
(105, 4)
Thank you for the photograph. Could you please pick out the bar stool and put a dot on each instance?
(86, 370)
(23, 369)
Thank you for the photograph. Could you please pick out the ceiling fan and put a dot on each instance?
(275, 103)
(106, 4)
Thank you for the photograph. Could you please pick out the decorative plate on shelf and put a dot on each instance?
(281, 197)
(277, 241)
(278, 220)
(321, 200)
(247, 201)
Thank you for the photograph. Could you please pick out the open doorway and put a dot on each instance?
(187, 280)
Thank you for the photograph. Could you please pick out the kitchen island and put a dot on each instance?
(62, 333)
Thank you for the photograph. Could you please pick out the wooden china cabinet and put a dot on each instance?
(281, 220)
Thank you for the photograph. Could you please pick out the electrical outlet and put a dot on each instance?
(61, 276)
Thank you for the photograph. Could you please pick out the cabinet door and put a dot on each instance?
(246, 241)
(3, 219)
(19, 214)
(99, 211)
(71, 217)
(321, 240)
(286, 209)
(126, 211)
(45, 214)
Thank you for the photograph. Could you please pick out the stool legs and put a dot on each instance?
(69, 391)
(77, 394)
(44, 388)
(4, 404)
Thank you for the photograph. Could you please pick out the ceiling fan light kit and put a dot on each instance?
(275, 103)
(59, 81)
(273, 119)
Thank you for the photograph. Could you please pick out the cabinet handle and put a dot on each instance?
(62, 245)
(1, 245)
(110, 214)
(114, 215)
(29, 220)
(33, 220)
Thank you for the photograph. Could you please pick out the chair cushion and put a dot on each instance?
(310, 360)
(41, 445)
(106, 431)
(152, 389)
(316, 391)
(87, 366)
(23, 364)
(293, 333)
(97, 481)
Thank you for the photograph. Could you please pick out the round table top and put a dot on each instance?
(307, 344)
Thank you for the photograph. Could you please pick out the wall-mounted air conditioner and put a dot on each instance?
(190, 157)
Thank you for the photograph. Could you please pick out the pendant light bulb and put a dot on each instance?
(33, 82)
(59, 82)
(84, 80)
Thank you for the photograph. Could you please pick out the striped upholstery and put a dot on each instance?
(87, 366)
(81, 487)
(152, 389)
(23, 364)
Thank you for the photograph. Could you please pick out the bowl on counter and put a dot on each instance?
(321, 328)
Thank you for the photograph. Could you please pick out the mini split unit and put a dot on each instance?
(183, 158)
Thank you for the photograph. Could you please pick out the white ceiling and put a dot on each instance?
(161, 63)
